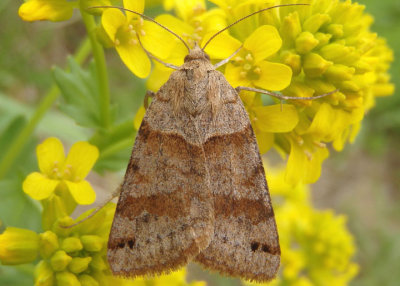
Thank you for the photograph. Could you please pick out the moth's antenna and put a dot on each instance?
(147, 18)
(150, 55)
(245, 17)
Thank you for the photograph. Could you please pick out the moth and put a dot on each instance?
(195, 187)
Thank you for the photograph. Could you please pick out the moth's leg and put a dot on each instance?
(221, 63)
(281, 96)
(113, 195)
(149, 94)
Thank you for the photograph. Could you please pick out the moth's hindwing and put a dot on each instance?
(245, 242)
(164, 216)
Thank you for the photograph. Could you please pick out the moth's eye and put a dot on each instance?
(186, 58)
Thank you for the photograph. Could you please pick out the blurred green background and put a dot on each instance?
(362, 182)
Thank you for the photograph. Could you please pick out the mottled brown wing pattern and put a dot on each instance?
(164, 216)
(245, 241)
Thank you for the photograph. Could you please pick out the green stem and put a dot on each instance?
(19, 141)
(101, 68)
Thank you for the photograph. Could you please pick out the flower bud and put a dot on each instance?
(53, 208)
(349, 86)
(98, 263)
(290, 28)
(71, 244)
(336, 30)
(48, 243)
(60, 260)
(87, 280)
(79, 264)
(18, 246)
(339, 72)
(66, 279)
(44, 275)
(58, 226)
(92, 242)
(293, 60)
(305, 42)
(334, 52)
(313, 23)
(323, 39)
(314, 65)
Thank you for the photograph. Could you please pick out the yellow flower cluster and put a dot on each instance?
(316, 246)
(327, 45)
(300, 51)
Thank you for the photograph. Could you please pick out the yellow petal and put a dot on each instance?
(263, 42)
(157, 40)
(159, 75)
(265, 141)
(112, 20)
(134, 5)
(50, 155)
(38, 186)
(276, 118)
(175, 24)
(135, 59)
(296, 165)
(315, 164)
(139, 117)
(81, 159)
(273, 76)
(234, 77)
(82, 192)
(39, 10)
(222, 46)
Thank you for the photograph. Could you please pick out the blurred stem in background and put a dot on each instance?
(42, 108)
(101, 69)
(89, 44)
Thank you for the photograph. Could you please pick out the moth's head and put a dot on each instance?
(196, 54)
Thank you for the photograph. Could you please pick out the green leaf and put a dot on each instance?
(26, 160)
(79, 89)
(115, 146)
(16, 208)
(21, 275)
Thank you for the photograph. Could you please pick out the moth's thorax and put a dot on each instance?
(197, 58)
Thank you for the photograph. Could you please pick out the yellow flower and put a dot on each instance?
(125, 30)
(54, 10)
(267, 120)
(328, 45)
(58, 171)
(18, 246)
(194, 24)
(249, 68)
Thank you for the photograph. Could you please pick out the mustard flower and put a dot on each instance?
(54, 10)
(250, 68)
(328, 45)
(56, 171)
(126, 30)
(194, 24)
